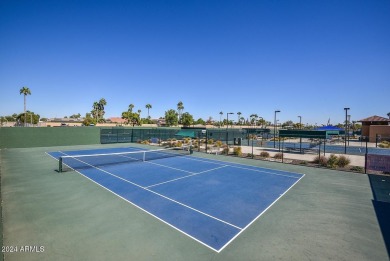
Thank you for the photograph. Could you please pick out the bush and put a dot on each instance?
(303, 162)
(179, 144)
(250, 155)
(322, 160)
(333, 161)
(218, 143)
(384, 144)
(278, 155)
(225, 150)
(237, 151)
(145, 142)
(357, 168)
(264, 154)
(343, 161)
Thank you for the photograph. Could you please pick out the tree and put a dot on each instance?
(187, 119)
(25, 91)
(238, 115)
(253, 118)
(200, 121)
(89, 120)
(262, 122)
(95, 111)
(75, 116)
(288, 123)
(148, 106)
(28, 116)
(102, 102)
(209, 120)
(242, 119)
(131, 107)
(132, 117)
(388, 115)
(220, 118)
(180, 108)
(171, 118)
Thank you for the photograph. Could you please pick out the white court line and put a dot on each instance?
(262, 171)
(186, 176)
(163, 165)
(212, 161)
(162, 220)
(158, 194)
(231, 240)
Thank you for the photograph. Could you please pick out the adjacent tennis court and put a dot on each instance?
(208, 200)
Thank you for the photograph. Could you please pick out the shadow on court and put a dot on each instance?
(380, 186)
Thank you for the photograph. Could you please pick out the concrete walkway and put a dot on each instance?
(356, 160)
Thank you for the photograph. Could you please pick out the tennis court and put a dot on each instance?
(208, 200)
(326, 215)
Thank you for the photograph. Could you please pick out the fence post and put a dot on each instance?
(319, 154)
(365, 157)
(207, 140)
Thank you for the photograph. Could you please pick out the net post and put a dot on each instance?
(60, 165)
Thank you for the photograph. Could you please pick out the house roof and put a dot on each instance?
(117, 120)
(375, 118)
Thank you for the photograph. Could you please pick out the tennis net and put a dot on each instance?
(75, 162)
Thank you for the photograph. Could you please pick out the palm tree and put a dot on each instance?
(180, 109)
(95, 110)
(131, 106)
(388, 115)
(139, 113)
(220, 118)
(102, 102)
(238, 114)
(242, 119)
(253, 118)
(25, 91)
(148, 106)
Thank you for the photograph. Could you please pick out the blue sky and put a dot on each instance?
(309, 58)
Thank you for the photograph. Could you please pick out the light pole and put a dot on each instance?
(345, 130)
(275, 128)
(300, 138)
(227, 126)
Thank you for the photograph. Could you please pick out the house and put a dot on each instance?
(376, 126)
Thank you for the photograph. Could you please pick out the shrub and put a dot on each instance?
(218, 143)
(264, 154)
(145, 142)
(225, 150)
(322, 160)
(357, 168)
(210, 141)
(237, 151)
(250, 155)
(384, 144)
(278, 155)
(333, 161)
(303, 162)
(179, 144)
(343, 161)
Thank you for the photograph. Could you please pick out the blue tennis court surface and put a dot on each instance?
(208, 200)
